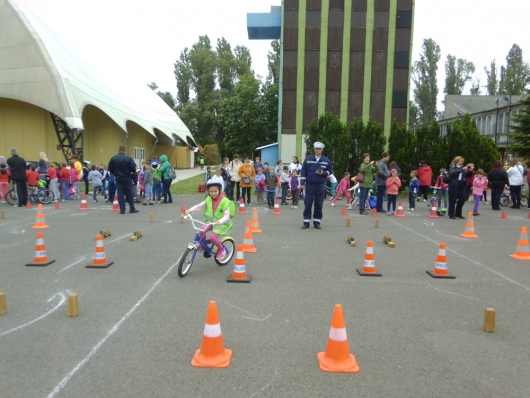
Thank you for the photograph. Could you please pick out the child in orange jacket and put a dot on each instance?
(393, 183)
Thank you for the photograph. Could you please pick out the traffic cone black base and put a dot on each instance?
(360, 272)
(100, 266)
(246, 280)
(448, 276)
(40, 264)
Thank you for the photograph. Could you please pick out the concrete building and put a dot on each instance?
(348, 57)
(53, 101)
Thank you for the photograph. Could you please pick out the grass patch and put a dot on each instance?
(188, 186)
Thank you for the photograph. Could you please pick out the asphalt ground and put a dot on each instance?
(140, 324)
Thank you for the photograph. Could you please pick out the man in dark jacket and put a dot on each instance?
(122, 166)
(17, 168)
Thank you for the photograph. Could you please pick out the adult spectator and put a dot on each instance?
(380, 181)
(41, 166)
(2, 159)
(166, 181)
(295, 165)
(257, 164)
(498, 178)
(17, 168)
(457, 187)
(315, 172)
(368, 168)
(425, 177)
(86, 170)
(469, 182)
(516, 180)
(246, 172)
(234, 180)
(122, 166)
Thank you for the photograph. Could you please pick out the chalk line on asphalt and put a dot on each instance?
(74, 263)
(265, 387)
(457, 294)
(253, 316)
(113, 330)
(63, 299)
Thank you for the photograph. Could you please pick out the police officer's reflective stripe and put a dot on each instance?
(316, 220)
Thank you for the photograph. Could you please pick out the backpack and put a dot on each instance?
(446, 177)
(172, 173)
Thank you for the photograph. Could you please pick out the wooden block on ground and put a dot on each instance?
(152, 217)
(73, 304)
(348, 221)
(3, 304)
(352, 243)
(489, 320)
(133, 238)
(2, 214)
(377, 222)
(391, 244)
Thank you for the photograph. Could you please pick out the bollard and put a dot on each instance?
(73, 304)
(151, 217)
(182, 218)
(489, 320)
(3, 305)
(348, 222)
(2, 214)
(377, 222)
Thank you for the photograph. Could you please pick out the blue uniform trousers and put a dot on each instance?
(314, 195)
(124, 188)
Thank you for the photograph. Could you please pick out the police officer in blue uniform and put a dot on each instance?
(315, 172)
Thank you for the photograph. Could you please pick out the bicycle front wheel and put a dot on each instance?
(186, 262)
(505, 200)
(230, 245)
(11, 197)
(45, 196)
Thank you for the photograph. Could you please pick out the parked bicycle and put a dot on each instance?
(36, 195)
(506, 199)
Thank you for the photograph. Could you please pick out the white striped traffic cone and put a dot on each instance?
(41, 258)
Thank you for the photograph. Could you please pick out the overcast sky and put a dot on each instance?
(140, 40)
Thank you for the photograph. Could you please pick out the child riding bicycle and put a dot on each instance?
(219, 213)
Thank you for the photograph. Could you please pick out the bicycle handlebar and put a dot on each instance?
(193, 221)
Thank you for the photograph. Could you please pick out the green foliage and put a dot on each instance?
(520, 130)
(424, 78)
(515, 77)
(211, 154)
(457, 73)
(402, 148)
(492, 81)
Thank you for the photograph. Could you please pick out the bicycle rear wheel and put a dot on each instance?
(11, 197)
(230, 245)
(45, 196)
(505, 200)
(186, 262)
(524, 200)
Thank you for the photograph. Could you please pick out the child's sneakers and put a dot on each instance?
(296, 207)
(221, 254)
(349, 208)
(412, 209)
(144, 204)
(332, 204)
(389, 213)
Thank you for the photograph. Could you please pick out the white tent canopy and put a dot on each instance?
(37, 66)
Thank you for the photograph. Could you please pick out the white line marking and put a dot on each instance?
(458, 294)
(13, 244)
(121, 237)
(450, 236)
(253, 317)
(77, 262)
(113, 330)
(40, 317)
(267, 386)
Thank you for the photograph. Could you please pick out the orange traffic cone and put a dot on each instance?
(440, 268)
(469, 232)
(503, 215)
(183, 209)
(399, 212)
(528, 216)
(41, 258)
(240, 273)
(84, 206)
(248, 242)
(343, 211)
(57, 207)
(368, 268)
(337, 357)
(115, 204)
(242, 209)
(276, 210)
(254, 224)
(434, 211)
(212, 353)
(374, 212)
(40, 222)
(522, 252)
(99, 261)
(28, 205)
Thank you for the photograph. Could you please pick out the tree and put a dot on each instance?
(457, 73)
(367, 138)
(167, 96)
(520, 131)
(413, 113)
(402, 148)
(515, 77)
(424, 78)
(273, 58)
(492, 81)
(475, 87)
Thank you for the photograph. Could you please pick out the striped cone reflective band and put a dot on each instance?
(434, 211)
(40, 223)
(248, 242)
(240, 272)
(40, 258)
(242, 209)
(115, 204)
(337, 357)
(368, 268)
(84, 206)
(254, 224)
(276, 210)
(440, 268)
(399, 212)
(212, 353)
(100, 260)
(469, 232)
(522, 252)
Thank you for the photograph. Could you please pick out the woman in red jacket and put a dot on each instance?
(425, 177)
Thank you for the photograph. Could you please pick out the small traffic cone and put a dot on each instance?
(469, 232)
(503, 215)
(434, 211)
(212, 353)
(242, 209)
(337, 357)
(41, 258)
(28, 205)
(528, 216)
(343, 211)
(522, 252)
(115, 204)
(57, 207)
(368, 268)
(399, 212)
(440, 268)
(99, 261)
(276, 210)
(254, 223)
(374, 212)
(84, 206)
(240, 273)
(40, 222)
(248, 243)
(183, 209)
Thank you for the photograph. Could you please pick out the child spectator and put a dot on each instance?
(4, 182)
(74, 181)
(52, 177)
(485, 193)
(112, 186)
(414, 184)
(294, 185)
(32, 176)
(208, 173)
(148, 184)
(442, 188)
(97, 185)
(479, 182)
(284, 179)
(141, 180)
(157, 182)
(218, 177)
(333, 180)
(86, 170)
(64, 176)
(260, 186)
(393, 183)
(271, 182)
(278, 172)
(343, 188)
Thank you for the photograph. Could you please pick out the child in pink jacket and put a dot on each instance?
(393, 183)
(479, 182)
(343, 187)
